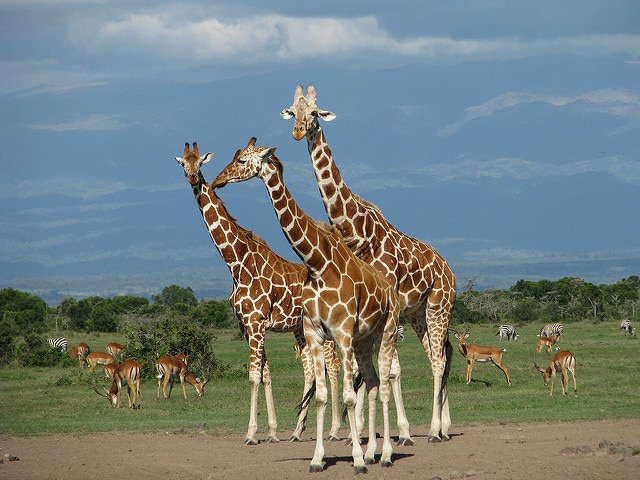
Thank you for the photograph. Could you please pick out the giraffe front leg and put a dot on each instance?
(254, 385)
(271, 410)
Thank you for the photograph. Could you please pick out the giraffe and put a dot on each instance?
(266, 295)
(344, 298)
(424, 281)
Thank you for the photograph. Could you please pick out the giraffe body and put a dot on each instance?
(424, 281)
(266, 294)
(344, 299)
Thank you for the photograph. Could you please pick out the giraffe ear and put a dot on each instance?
(206, 157)
(268, 152)
(326, 115)
(180, 160)
(286, 113)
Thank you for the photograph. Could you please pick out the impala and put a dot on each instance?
(95, 358)
(110, 369)
(546, 342)
(83, 351)
(115, 349)
(125, 373)
(480, 353)
(171, 367)
(560, 362)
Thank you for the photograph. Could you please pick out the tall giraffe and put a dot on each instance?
(424, 281)
(344, 299)
(266, 295)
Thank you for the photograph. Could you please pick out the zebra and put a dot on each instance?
(508, 332)
(627, 327)
(58, 342)
(400, 332)
(550, 329)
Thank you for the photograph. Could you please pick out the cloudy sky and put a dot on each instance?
(504, 133)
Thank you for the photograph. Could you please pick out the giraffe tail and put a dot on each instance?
(357, 383)
(307, 398)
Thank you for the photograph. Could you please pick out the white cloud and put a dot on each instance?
(625, 170)
(97, 121)
(166, 33)
(76, 187)
(617, 102)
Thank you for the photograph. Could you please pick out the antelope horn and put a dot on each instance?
(205, 382)
(101, 394)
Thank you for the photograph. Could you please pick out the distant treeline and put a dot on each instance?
(568, 299)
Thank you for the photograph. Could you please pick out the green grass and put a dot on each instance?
(61, 400)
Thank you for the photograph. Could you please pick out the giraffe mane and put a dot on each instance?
(366, 203)
(246, 232)
(277, 163)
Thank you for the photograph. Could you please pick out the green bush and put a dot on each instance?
(36, 352)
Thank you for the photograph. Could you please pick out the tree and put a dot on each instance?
(177, 298)
(25, 311)
(214, 313)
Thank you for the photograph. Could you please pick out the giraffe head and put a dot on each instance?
(247, 163)
(191, 162)
(305, 113)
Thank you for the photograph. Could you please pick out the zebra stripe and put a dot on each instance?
(550, 329)
(627, 327)
(508, 332)
(58, 342)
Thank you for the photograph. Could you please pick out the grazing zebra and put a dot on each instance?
(508, 332)
(626, 327)
(401, 332)
(550, 329)
(58, 342)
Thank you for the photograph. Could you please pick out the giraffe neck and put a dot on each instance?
(226, 235)
(339, 202)
(302, 232)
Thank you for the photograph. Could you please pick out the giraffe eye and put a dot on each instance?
(242, 161)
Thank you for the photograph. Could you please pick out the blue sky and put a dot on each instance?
(503, 133)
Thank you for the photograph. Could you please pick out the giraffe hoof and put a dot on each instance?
(272, 440)
(387, 463)
(369, 461)
(333, 438)
(294, 438)
(405, 442)
(361, 469)
(315, 468)
(433, 439)
(348, 442)
(249, 441)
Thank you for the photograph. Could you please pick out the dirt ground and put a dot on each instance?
(581, 450)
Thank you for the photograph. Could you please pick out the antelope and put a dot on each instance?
(480, 353)
(110, 369)
(560, 362)
(125, 373)
(546, 342)
(83, 351)
(73, 353)
(95, 358)
(115, 349)
(171, 366)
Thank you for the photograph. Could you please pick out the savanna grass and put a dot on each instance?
(62, 400)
